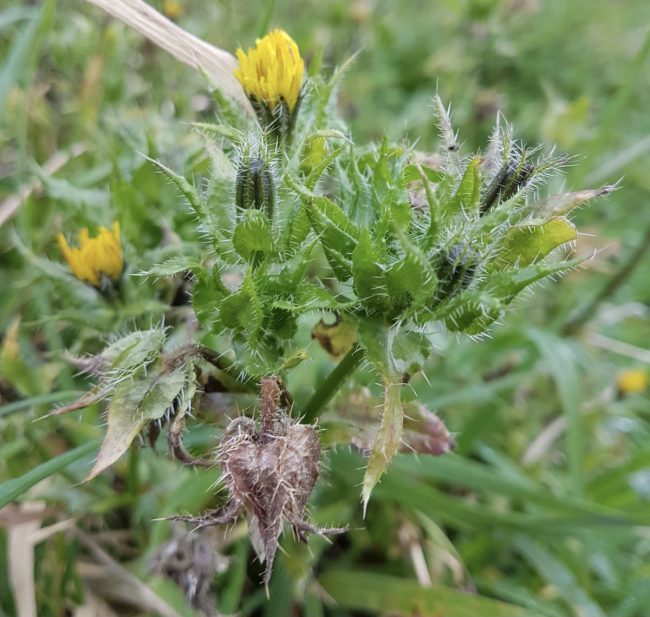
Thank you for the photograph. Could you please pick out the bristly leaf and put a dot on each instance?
(195, 200)
(331, 224)
(253, 235)
(242, 310)
(562, 203)
(377, 338)
(176, 265)
(411, 281)
(389, 435)
(448, 135)
(134, 350)
(369, 279)
(468, 194)
(526, 244)
(474, 311)
(133, 405)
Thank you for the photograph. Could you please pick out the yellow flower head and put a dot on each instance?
(172, 9)
(632, 381)
(272, 70)
(95, 257)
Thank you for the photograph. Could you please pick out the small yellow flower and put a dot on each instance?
(272, 71)
(95, 257)
(632, 381)
(172, 9)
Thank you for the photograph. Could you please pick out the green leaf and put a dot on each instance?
(208, 291)
(34, 401)
(491, 481)
(411, 279)
(219, 130)
(378, 593)
(14, 488)
(341, 265)
(134, 350)
(319, 169)
(388, 437)
(555, 572)
(563, 203)
(337, 233)
(526, 244)
(18, 56)
(135, 403)
(242, 310)
(473, 311)
(469, 190)
(369, 281)
(298, 228)
(375, 338)
(506, 286)
(312, 297)
(83, 198)
(561, 361)
(409, 350)
(176, 265)
(412, 173)
(196, 202)
(292, 274)
(253, 235)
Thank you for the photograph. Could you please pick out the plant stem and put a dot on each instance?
(326, 391)
(241, 382)
(614, 283)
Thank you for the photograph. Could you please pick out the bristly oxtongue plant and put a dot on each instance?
(298, 219)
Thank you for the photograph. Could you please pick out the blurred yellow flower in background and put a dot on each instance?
(95, 257)
(172, 9)
(632, 381)
(272, 71)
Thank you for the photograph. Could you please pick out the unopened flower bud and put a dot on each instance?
(457, 268)
(255, 187)
(510, 179)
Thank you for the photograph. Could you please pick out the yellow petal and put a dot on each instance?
(272, 70)
(632, 381)
(95, 257)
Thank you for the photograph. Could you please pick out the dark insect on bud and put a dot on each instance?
(456, 269)
(254, 186)
(510, 179)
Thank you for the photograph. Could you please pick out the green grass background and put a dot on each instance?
(566, 532)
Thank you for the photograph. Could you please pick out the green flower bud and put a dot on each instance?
(254, 186)
(510, 179)
(456, 269)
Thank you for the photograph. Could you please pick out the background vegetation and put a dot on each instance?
(553, 440)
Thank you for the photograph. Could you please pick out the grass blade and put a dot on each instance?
(383, 594)
(12, 489)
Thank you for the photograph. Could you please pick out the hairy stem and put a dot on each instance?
(326, 391)
(241, 381)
